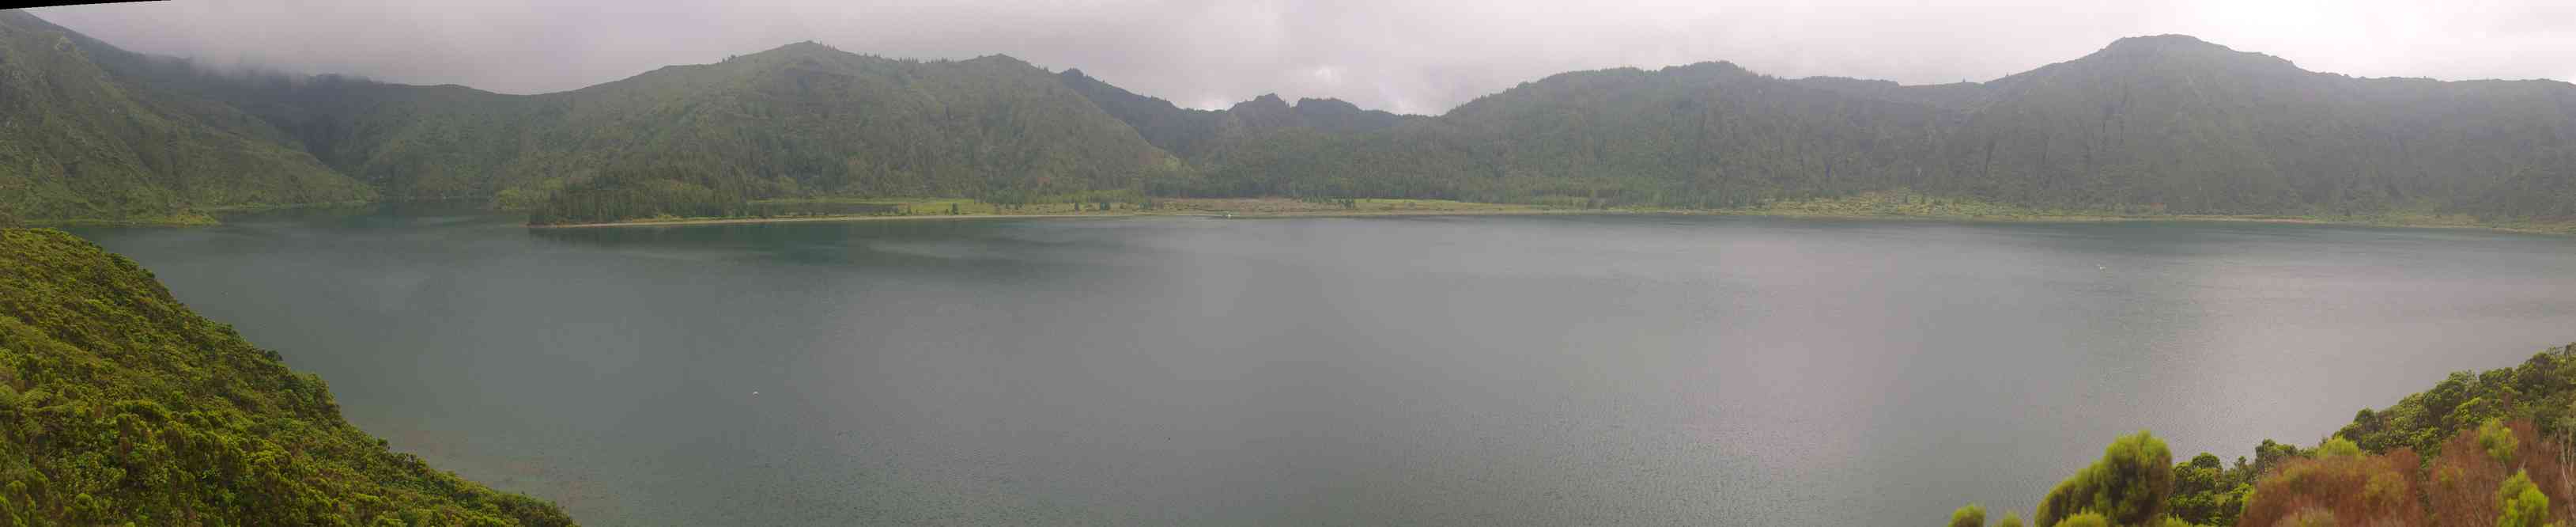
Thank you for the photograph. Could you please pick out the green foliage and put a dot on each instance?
(80, 144)
(120, 406)
(2348, 485)
(2010, 520)
(1972, 515)
(2146, 126)
(2129, 484)
(2522, 503)
(2208, 492)
(2541, 390)
(2308, 518)
(1191, 133)
(2086, 519)
(800, 120)
(2497, 441)
(662, 191)
(2465, 410)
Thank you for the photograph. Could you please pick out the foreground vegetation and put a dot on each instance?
(119, 406)
(2478, 449)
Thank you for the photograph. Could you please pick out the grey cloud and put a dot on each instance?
(1410, 56)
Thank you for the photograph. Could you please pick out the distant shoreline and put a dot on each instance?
(2549, 229)
(1863, 207)
(2567, 229)
(1101, 215)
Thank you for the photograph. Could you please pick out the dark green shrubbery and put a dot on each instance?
(120, 406)
(2478, 449)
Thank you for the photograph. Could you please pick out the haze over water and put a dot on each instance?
(1514, 370)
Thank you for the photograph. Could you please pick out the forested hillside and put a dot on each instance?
(1194, 133)
(79, 143)
(2148, 125)
(799, 120)
(1703, 135)
(2164, 124)
(119, 406)
(2179, 124)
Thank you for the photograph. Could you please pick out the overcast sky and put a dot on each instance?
(1406, 56)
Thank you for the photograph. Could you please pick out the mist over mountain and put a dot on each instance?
(78, 142)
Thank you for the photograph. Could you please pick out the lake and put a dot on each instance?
(1556, 370)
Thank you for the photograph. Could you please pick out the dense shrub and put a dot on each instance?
(2128, 486)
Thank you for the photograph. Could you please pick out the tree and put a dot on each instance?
(1972, 515)
(2353, 487)
(2523, 504)
(2311, 517)
(2207, 492)
(2128, 486)
(2497, 440)
(2010, 520)
(2087, 519)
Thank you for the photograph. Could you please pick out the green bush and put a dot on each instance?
(2522, 502)
(2129, 485)
(1972, 515)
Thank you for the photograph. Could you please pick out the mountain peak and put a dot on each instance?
(2161, 48)
(998, 58)
(1310, 103)
(2165, 42)
(799, 49)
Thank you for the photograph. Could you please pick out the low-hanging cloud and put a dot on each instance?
(1422, 56)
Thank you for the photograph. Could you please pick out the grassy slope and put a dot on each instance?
(117, 405)
(78, 143)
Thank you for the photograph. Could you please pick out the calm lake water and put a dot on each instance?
(1494, 370)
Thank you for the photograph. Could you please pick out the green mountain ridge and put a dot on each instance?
(796, 120)
(2163, 124)
(78, 142)
(1191, 133)
(118, 405)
